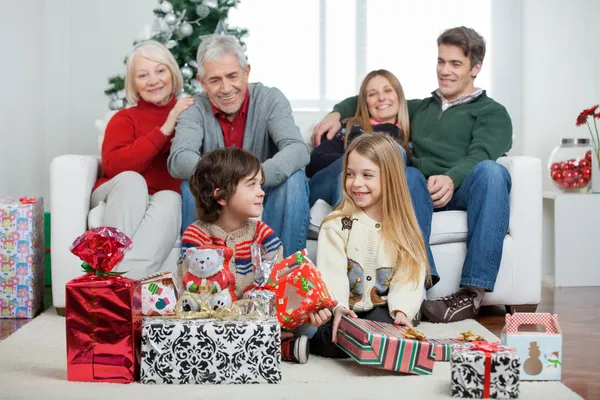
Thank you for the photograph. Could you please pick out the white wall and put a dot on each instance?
(61, 54)
(561, 71)
(21, 102)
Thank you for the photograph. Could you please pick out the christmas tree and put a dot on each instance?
(181, 25)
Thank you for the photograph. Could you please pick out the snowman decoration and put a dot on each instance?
(208, 266)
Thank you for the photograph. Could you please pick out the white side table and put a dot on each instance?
(571, 239)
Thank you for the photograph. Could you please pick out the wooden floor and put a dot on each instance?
(579, 315)
(578, 312)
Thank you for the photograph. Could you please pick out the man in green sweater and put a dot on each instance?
(457, 134)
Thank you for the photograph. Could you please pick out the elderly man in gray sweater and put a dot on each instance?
(232, 112)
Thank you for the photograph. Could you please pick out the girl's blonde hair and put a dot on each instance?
(362, 116)
(152, 50)
(399, 225)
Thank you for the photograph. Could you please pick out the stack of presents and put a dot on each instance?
(22, 264)
(170, 329)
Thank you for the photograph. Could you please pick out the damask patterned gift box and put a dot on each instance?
(481, 370)
(211, 351)
(21, 256)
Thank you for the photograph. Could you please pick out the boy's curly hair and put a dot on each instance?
(220, 169)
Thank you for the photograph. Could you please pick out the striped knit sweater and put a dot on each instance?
(200, 233)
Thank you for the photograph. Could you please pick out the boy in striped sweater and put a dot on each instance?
(226, 185)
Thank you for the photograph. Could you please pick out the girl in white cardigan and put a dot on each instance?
(371, 250)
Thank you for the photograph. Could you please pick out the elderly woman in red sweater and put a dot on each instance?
(140, 197)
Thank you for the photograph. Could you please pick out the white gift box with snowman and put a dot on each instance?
(540, 352)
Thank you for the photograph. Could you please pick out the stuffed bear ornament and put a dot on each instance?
(208, 266)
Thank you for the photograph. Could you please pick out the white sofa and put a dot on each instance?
(519, 280)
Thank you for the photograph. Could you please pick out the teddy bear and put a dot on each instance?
(208, 266)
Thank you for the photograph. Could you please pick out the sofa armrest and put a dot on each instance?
(72, 178)
(525, 226)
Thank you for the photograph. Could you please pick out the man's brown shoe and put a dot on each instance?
(452, 308)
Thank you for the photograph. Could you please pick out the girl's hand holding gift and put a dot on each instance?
(400, 319)
(338, 313)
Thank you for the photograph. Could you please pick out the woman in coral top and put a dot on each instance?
(139, 196)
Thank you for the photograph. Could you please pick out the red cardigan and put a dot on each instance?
(134, 142)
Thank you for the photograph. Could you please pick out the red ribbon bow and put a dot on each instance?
(488, 348)
(28, 200)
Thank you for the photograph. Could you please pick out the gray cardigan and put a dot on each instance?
(271, 135)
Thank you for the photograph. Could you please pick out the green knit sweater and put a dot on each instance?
(452, 142)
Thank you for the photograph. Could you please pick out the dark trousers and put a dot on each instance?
(321, 344)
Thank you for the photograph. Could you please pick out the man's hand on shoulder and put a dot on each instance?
(330, 125)
(441, 188)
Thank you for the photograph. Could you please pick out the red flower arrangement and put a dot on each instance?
(584, 118)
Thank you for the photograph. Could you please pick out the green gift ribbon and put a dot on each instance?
(87, 268)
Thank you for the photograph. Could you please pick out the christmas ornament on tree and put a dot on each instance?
(187, 73)
(181, 25)
(202, 11)
(170, 19)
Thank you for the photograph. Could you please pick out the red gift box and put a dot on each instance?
(103, 312)
(104, 329)
(299, 290)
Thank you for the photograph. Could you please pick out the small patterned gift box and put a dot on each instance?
(211, 351)
(482, 370)
(21, 256)
(299, 290)
(541, 352)
(159, 294)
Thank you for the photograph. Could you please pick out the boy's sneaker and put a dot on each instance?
(295, 349)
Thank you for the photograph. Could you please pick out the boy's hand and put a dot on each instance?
(401, 319)
(338, 313)
(286, 334)
(320, 317)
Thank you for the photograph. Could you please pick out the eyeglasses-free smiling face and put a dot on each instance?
(225, 83)
(153, 80)
(382, 100)
(455, 75)
(363, 184)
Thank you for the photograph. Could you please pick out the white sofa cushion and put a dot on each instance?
(446, 226)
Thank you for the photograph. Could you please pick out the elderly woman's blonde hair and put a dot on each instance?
(157, 52)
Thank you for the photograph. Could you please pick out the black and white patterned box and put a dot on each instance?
(468, 368)
(211, 351)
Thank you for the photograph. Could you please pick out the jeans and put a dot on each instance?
(484, 194)
(327, 183)
(285, 211)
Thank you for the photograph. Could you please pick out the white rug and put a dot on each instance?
(33, 366)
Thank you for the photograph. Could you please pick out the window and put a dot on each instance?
(318, 51)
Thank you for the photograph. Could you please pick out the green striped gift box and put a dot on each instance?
(442, 347)
(382, 345)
